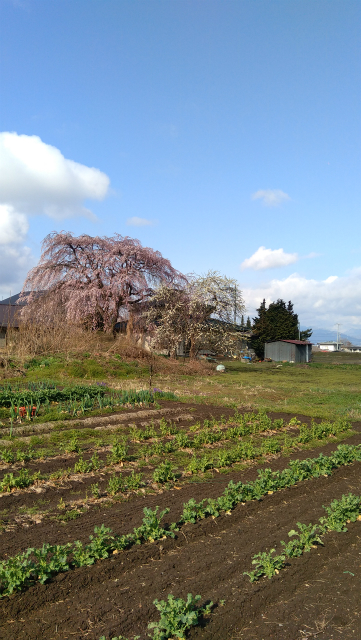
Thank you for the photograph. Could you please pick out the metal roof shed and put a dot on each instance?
(288, 350)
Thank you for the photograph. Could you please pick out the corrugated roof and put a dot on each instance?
(295, 341)
(291, 341)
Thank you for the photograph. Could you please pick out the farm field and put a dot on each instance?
(67, 470)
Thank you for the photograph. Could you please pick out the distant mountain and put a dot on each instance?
(324, 335)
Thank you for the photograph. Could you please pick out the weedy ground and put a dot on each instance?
(113, 467)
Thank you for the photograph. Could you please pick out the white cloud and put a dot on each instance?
(140, 222)
(319, 303)
(35, 178)
(13, 225)
(14, 264)
(271, 197)
(269, 259)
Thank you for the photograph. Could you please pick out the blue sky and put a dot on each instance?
(224, 133)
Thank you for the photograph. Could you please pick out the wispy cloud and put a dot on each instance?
(271, 197)
(140, 222)
(269, 259)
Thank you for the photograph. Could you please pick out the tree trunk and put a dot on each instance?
(130, 326)
(193, 349)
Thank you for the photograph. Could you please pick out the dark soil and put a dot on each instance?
(316, 596)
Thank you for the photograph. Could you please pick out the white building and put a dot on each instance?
(329, 346)
(353, 348)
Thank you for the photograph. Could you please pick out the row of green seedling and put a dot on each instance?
(306, 537)
(119, 454)
(23, 569)
(210, 434)
(39, 565)
(270, 481)
(73, 401)
(164, 473)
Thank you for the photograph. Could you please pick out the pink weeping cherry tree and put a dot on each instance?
(93, 280)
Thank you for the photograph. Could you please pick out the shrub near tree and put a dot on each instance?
(278, 322)
(201, 314)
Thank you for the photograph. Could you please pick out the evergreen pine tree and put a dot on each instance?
(278, 322)
(248, 323)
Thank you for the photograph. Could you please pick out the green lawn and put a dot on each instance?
(329, 387)
(323, 390)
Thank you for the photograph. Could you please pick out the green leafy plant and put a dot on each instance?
(225, 459)
(21, 481)
(7, 455)
(340, 512)
(164, 473)
(115, 484)
(177, 616)
(307, 537)
(134, 481)
(151, 528)
(193, 511)
(73, 445)
(183, 441)
(118, 453)
(200, 464)
(166, 428)
(94, 488)
(50, 560)
(267, 564)
(67, 516)
(86, 466)
(83, 466)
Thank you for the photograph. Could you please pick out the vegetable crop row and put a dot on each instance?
(339, 513)
(180, 440)
(163, 473)
(8, 397)
(119, 454)
(40, 564)
(73, 400)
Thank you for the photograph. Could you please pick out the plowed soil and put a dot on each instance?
(316, 596)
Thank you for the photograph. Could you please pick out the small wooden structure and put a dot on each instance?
(288, 350)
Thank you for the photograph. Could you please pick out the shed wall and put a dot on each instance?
(280, 351)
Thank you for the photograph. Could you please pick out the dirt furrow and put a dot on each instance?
(115, 595)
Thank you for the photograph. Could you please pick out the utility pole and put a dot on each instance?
(338, 325)
(299, 331)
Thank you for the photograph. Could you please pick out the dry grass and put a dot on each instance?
(33, 340)
(8, 370)
(130, 351)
